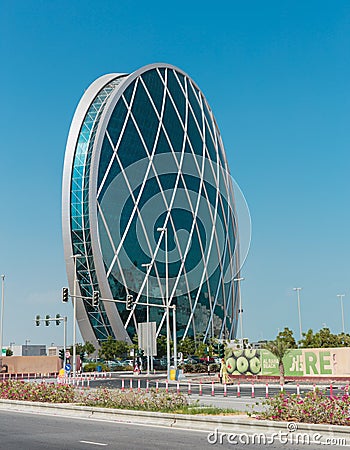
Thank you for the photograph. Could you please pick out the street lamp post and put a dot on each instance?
(238, 280)
(165, 231)
(2, 313)
(147, 266)
(298, 289)
(342, 311)
(27, 342)
(175, 337)
(75, 257)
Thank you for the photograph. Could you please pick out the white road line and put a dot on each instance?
(93, 443)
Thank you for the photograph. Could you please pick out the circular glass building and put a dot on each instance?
(148, 208)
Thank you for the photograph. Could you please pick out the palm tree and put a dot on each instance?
(280, 349)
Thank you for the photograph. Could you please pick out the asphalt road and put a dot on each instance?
(21, 431)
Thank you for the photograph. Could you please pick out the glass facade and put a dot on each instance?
(149, 156)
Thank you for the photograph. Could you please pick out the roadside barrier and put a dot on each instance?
(200, 388)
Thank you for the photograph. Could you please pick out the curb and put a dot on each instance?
(226, 424)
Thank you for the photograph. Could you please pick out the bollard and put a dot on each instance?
(147, 386)
(267, 390)
(189, 389)
(139, 385)
(298, 390)
(178, 387)
(238, 389)
(212, 389)
(123, 385)
(200, 388)
(225, 390)
(157, 386)
(314, 387)
(281, 387)
(88, 383)
(253, 391)
(166, 386)
(130, 384)
(331, 390)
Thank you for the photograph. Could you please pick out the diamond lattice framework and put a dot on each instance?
(144, 153)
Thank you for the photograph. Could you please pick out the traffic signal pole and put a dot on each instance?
(130, 304)
(56, 319)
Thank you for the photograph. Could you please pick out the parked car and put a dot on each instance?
(127, 362)
(192, 360)
(159, 364)
(207, 360)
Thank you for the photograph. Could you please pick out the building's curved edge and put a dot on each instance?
(111, 310)
(74, 131)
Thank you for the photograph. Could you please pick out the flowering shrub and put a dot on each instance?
(195, 368)
(91, 367)
(315, 407)
(152, 401)
(36, 392)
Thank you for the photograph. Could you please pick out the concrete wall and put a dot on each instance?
(32, 364)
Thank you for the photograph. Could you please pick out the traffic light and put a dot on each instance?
(37, 321)
(221, 350)
(129, 301)
(82, 355)
(58, 319)
(95, 298)
(65, 295)
(61, 354)
(141, 352)
(47, 320)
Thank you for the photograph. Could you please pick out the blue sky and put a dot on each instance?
(277, 77)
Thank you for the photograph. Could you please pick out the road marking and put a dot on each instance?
(93, 443)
